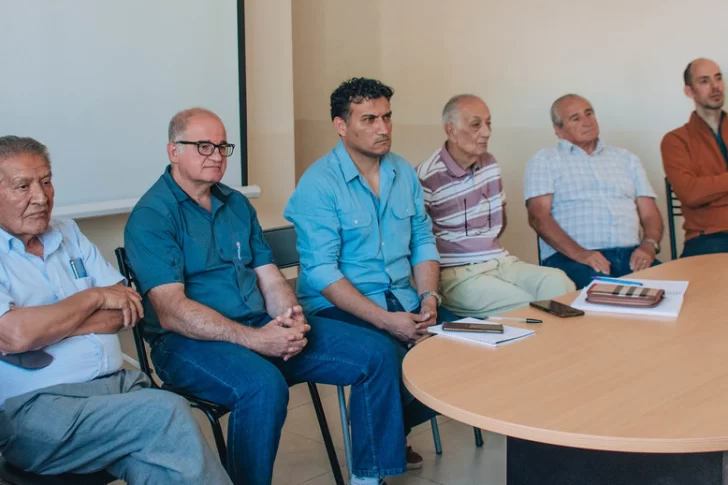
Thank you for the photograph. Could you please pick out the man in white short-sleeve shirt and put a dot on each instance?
(65, 403)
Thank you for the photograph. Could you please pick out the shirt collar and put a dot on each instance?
(348, 167)
(697, 121)
(51, 240)
(570, 147)
(455, 169)
(220, 191)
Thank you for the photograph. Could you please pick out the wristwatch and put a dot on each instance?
(437, 296)
(654, 243)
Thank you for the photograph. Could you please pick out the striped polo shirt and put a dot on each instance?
(466, 207)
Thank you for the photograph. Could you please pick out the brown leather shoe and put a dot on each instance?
(414, 459)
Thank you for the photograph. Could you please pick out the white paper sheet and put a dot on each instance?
(493, 339)
(668, 307)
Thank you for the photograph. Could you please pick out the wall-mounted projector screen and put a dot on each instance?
(98, 82)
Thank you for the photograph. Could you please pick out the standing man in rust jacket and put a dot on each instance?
(695, 157)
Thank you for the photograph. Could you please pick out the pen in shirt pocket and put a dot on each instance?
(78, 269)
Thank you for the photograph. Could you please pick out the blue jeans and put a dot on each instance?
(706, 244)
(582, 274)
(414, 411)
(255, 389)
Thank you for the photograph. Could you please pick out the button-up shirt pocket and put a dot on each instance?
(357, 228)
(247, 281)
(402, 220)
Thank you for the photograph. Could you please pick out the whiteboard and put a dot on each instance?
(98, 81)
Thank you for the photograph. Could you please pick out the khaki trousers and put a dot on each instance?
(499, 286)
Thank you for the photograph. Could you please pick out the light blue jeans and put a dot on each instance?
(255, 389)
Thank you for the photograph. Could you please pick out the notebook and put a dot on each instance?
(493, 339)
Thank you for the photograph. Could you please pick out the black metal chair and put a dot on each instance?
(212, 411)
(674, 209)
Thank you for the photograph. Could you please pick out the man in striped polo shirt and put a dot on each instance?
(464, 196)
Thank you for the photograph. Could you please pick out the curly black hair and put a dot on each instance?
(356, 90)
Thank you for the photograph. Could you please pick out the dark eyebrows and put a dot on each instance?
(369, 116)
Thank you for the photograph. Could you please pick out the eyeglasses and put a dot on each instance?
(207, 148)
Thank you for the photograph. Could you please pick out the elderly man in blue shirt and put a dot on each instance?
(590, 203)
(226, 326)
(65, 403)
(363, 231)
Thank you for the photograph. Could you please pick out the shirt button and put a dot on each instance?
(356, 221)
(386, 269)
(382, 243)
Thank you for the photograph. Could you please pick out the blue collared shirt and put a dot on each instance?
(27, 280)
(594, 196)
(170, 238)
(345, 231)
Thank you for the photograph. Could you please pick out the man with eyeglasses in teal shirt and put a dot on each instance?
(226, 326)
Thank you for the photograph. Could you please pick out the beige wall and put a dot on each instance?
(519, 55)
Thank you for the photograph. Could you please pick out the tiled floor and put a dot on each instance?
(302, 458)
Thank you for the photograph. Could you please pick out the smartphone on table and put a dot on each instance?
(555, 308)
(472, 327)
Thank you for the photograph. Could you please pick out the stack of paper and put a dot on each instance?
(668, 307)
(509, 333)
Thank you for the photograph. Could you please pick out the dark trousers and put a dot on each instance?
(414, 412)
(582, 274)
(706, 244)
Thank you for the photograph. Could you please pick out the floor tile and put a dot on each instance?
(461, 462)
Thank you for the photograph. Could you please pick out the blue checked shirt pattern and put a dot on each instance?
(345, 231)
(594, 196)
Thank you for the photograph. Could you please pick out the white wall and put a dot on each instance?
(626, 56)
(98, 82)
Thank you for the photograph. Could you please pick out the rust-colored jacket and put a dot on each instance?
(695, 167)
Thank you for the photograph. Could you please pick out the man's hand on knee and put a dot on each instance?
(280, 340)
(403, 325)
(595, 260)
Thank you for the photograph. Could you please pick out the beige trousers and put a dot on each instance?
(499, 286)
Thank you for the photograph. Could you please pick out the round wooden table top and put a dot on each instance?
(601, 381)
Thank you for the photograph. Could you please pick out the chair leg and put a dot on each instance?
(478, 437)
(345, 427)
(217, 435)
(436, 435)
(325, 433)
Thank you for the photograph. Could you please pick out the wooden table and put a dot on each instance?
(602, 381)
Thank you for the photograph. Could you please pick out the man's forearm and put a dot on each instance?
(196, 321)
(427, 276)
(550, 231)
(100, 322)
(32, 328)
(346, 297)
(278, 296)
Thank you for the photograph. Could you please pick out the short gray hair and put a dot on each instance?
(451, 111)
(13, 146)
(178, 123)
(558, 122)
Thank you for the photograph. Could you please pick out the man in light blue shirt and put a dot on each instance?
(588, 201)
(58, 294)
(363, 231)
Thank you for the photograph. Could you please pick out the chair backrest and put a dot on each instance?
(674, 209)
(282, 241)
(138, 330)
